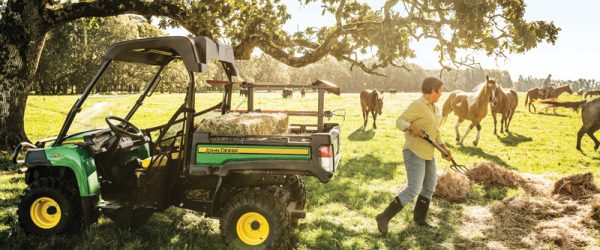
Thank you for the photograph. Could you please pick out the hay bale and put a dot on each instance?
(246, 124)
(452, 186)
(490, 173)
(577, 187)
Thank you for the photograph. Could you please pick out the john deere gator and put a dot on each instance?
(251, 183)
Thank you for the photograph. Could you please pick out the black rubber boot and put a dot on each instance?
(383, 219)
(420, 212)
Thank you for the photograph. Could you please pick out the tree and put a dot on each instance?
(494, 26)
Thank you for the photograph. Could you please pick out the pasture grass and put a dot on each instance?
(340, 213)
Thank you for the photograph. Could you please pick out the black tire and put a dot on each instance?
(295, 186)
(263, 203)
(51, 191)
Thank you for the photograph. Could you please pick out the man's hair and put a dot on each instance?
(431, 83)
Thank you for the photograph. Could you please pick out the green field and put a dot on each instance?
(340, 213)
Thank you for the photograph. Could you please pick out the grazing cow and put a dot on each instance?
(303, 92)
(580, 93)
(371, 101)
(506, 104)
(472, 107)
(393, 91)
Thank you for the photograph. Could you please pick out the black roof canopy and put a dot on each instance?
(195, 52)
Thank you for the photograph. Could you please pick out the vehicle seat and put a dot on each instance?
(158, 160)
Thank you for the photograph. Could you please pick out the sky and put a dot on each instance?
(575, 55)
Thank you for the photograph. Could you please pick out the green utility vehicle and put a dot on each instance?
(251, 183)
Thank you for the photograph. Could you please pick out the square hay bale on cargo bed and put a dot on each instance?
(246, 124)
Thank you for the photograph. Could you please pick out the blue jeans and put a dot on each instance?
(421, 176)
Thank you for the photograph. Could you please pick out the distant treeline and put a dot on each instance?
(526, 83)
(73, 53)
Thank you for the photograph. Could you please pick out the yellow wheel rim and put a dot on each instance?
(252, 228)
(45, 213)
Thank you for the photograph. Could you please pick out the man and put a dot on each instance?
(421, 116)
(548, 87)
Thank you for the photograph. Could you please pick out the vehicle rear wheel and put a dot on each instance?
(255, 219)
(50, 206)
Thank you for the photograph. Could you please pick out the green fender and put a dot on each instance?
(83, 165)
(80, 162)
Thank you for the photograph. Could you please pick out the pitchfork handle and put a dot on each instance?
(438, 147)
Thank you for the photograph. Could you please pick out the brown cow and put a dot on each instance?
(371, 100)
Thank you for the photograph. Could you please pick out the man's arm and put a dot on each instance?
(406, 118)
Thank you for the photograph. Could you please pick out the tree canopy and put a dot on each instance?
(495, 27)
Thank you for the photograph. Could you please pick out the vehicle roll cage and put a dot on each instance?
(195, 53)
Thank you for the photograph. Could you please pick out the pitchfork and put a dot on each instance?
(456, 167)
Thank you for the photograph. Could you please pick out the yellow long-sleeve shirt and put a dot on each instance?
(426, 116)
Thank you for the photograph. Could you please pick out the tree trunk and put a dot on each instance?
(21, 44)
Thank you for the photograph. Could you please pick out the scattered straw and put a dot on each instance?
(579, 186)
(490, 173)
(452, 186)
(595, 210)
(541, 222)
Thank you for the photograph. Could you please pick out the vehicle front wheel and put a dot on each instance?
(50, 206)
(255, 219)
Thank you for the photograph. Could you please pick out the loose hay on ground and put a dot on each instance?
(595, 209)
(452, 186)
(246, 124)
(490, 173)
(578, 186)
(541, 222)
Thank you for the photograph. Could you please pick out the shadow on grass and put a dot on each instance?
(475, 151)
(513, 139)
(331, 235)
(360, 134)
(174, 229)
(345, 191)
(366, 168)
(554, 115)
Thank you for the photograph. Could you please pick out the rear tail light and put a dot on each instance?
(326, 154)
(325, 151)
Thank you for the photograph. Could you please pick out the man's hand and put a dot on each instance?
(415, 131)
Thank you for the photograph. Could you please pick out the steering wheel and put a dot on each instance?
(125, 128)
